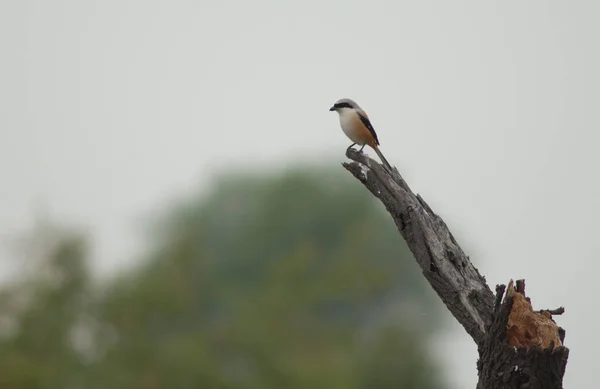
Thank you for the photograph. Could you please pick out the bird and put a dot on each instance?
(356, 125)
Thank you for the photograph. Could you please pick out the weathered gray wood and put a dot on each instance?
(460, 286)
(502, 366)
(442, 261)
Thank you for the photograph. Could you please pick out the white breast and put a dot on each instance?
(348, 123)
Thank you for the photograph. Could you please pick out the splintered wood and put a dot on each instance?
(527, 328)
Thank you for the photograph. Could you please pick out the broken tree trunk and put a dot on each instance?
(518, 348)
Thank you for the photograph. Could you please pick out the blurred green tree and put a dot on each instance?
(41, 316)
(292, 280)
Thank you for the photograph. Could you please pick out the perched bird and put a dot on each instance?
(356, 125)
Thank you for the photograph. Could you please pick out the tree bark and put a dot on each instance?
(518, 348)
(502, 365)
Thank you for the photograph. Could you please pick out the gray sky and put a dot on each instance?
(489, 109)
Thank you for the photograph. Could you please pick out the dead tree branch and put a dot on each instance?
(518, 347)
(443, 263)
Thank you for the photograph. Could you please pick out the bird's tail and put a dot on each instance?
(385, 162)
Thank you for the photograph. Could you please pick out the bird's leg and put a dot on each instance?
(360, 150)
(349, 147)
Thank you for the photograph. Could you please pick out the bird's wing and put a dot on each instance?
(365, 120)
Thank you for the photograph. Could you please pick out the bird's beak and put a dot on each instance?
(332, 109)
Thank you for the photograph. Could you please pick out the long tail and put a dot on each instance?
(385, 162)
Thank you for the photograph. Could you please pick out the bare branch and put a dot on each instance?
(443, 263)
(557, 311)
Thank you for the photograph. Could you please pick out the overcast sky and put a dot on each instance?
(110, 109)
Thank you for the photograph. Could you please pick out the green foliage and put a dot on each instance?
(290, 281)
(39, 318)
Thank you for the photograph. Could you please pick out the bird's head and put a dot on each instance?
(344, 104)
